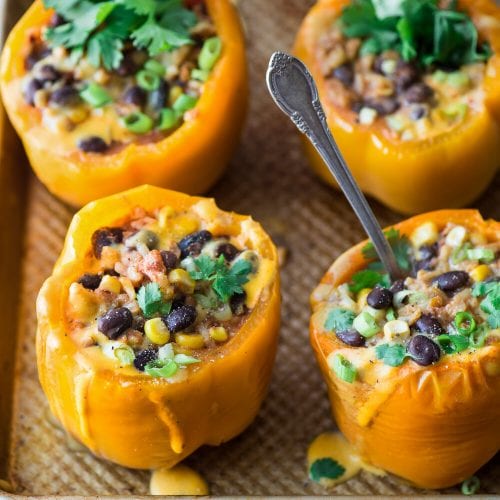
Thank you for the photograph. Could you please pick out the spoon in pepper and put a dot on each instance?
(294, 91)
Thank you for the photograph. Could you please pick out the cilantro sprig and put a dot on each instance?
(225, 280)
(339, 320)
(150, 300)
(419, 31)
(490, 290)
(101, 28)
(325, 468)
(391, 354)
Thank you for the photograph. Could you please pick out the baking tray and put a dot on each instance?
(268, 178)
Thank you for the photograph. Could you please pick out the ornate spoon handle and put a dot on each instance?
(294, 91)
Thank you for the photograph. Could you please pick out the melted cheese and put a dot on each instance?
(179, 480)
(333, 445)
(259, 282)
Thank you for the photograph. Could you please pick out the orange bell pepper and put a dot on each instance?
(448, 170)
(190, 159)
(432, 425)
(124, 415)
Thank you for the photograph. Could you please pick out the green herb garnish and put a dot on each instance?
(339, 320)
(344, 369)
(464, 322)
(226, 281)
(101, 28)
(368, 279)
(325, 468)
(452, 344)
(491, 303)
(168, 363)
(471, 486)
(418, 30)
(391, 354)
(400, 246)
(151, 301)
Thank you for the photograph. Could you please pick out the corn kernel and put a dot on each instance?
(156, 331)
(182, 280)
(456, 236)
(362, 295)
(396, 329)
(164, 213)
(190, 341)
(128, 287)
(480, 273)
(218, 333)
(110, 284)
(425, 234)
(82, 303)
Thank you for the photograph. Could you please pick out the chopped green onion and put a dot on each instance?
(471, 485)
(478, 338)
(456, 110)
(484, 254)
(95, 95)
(155, 67)
(457, 79)
(125, 354)
(184, 359)
(138, 123)
(200, 74)
(390, 315)
(158, 369)
(168, 119)
(365, 324)
(344, 369)
(451, 344)
(209, 53)
(439, 76)
(459, 254)
(465, 322)
(148, 80)
(166, 352)
(184, 103)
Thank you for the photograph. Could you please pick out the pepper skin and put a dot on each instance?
(432, 425)
(190, 159)
(124, 415)
(449, 170)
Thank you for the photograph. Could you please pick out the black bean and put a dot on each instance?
(93, 144)
(423, 350)
(377, 64)
(111, 272)
(379, 298)
(357, 106)
(383, 105)
(418, 112)
(56, 20)
(142, 358)
(428, 324)
(345, 74)
(237, 303)
(418, 92)
(90, 281)
(135, 95)
(65, 96)
(405, 74)
(180, 318)
(451, 281)
(428, 251)
(37, 53)
(169, 259)
(423, 264)
(128, 66)
(158, 97)
(228, 250)
(193, 243)
(138, 323)
(49, 73)
(351, 337)
(177, 303)
(115, 322)
(398, 286)
(105, 237)
(29, 92)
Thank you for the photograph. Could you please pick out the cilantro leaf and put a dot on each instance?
(491, 303)
(106, 47)
(141, 7)
(226, 281)
(452, 344)
(399, 244)
(368, 279)
(157, 39)
(339, 320)
(325, 468)
(494, 319)
(150, 300)
(392, 355)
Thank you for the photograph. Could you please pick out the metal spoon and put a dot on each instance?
(294, 91)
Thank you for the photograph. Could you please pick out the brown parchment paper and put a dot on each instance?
(269, 179)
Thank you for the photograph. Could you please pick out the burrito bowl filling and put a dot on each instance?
(416, 68)
(448, 304)
(165, 290)
(106, 74)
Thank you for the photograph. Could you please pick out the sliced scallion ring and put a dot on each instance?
(471, 486)
(209, 53)
(184, 103)
(365, 324)
(465, 322)
(344, 369)
(484, 254)
(159, 369)
(138, 123)
(200, 74)
(168, 119)
(95, 95)
(155, 67)
(478, 338)
(148, 80)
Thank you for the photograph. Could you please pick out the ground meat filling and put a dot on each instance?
(157, 303)
(449, 303)
(142, 99)
(412, 100)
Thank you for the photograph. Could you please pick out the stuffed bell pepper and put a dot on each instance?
(413, 367)
(411, 94)
(108, 95)
(158, 328)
